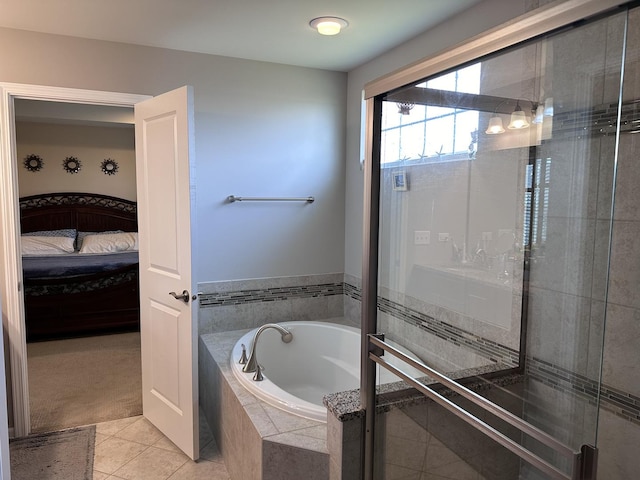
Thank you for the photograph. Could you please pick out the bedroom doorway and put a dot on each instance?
(13, 306)
(164, 127)
(83, 342)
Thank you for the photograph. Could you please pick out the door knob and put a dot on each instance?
(184, 296)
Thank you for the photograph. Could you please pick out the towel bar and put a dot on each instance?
(234, 198)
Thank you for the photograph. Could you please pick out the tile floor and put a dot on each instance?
(133, 449)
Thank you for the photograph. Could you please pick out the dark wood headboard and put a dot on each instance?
(86, 212)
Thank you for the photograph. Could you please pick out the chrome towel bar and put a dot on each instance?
(234, 198)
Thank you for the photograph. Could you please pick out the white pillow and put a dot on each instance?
(110, 242)
(32, 245)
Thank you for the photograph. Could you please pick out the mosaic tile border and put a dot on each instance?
(241, 297)
(353, 292)
(621, 404)
(599, 120)
(458, 336)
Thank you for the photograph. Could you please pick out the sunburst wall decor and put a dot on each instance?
(109, 166)
(33, 163)
(72, 165)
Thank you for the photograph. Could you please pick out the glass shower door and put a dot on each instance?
(496, 186)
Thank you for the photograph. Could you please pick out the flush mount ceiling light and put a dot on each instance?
(328, 25)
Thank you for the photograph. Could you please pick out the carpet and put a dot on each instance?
(82, 381)
(64, 455)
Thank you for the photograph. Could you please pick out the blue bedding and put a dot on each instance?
(74, 264)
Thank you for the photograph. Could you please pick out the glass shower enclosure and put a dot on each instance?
(492, 187)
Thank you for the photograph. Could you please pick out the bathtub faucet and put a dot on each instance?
(252, 362)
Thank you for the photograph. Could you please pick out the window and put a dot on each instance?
(428, 132)
(536, 203)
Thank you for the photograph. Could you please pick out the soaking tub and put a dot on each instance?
(321, 358)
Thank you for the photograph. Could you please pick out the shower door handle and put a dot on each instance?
(184, 296)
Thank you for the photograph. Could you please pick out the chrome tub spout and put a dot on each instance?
(252, 362)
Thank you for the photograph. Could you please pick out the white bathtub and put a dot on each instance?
(322, 358)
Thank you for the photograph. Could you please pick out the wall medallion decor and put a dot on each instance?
(72, 164)
(109, 166)
(33, 163)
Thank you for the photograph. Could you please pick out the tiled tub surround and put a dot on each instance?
(257, 441)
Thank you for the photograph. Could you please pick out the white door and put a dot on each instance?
(168, 326)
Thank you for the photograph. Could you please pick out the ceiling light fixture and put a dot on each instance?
(328, 25)
(518, 119)
(495, 126)
(539, 115)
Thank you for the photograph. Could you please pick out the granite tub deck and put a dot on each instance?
(257, 441)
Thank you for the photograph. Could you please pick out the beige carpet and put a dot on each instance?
(84, 380)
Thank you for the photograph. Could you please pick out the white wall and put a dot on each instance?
(261, 129)
(473, 21)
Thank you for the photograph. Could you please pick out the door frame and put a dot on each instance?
(10, 258)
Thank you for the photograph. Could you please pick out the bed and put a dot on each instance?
(80, 265)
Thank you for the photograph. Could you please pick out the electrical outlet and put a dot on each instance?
(487, 236)
(443, 237)
(421, 237)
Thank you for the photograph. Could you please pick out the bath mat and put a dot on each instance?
(64, 455)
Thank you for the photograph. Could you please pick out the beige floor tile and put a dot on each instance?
(211, 452)
(166, 444)
(101, 437)
(152, 464)
(141, 431)
(201, 470)
(114, 452)
(122, 443)
(114, 426)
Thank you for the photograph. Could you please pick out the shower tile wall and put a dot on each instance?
(619, 423)
(567, 295)
(428, 442)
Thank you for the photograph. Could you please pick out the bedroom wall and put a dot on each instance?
(90, 145)
(261, 129)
